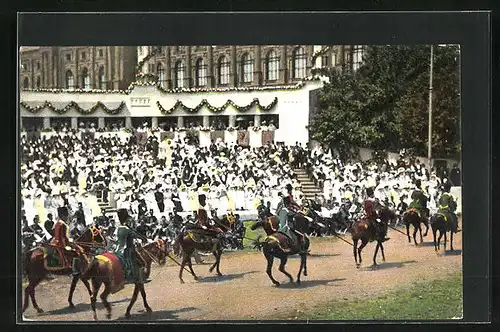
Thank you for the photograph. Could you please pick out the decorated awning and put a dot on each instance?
(85, 108)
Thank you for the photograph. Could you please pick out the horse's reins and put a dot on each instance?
(396, 229)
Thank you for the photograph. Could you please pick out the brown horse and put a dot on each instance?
(412, 217)
(279, 245)
(439, 223)
(366, 231)
(201, 240)
(35, 266)
(106, 269)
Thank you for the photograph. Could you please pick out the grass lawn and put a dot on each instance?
(429, 300)
(249, 234)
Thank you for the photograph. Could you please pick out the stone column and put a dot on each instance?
(256, 120)
(188, 74)
(100, 122)
(180, 121)
(210, 67)
(121, 63)
(55, 67)
(116, 79)
(93, 83)
(232, 121)
(341, 57)
(283, 77)
(74, 123)
(46, 123)
(257, 74)
(206, 121)
(309, 63)
(168, 66)
(154, 122)
(107, 69)
(233, 80)
(128, 122)
(76, 81)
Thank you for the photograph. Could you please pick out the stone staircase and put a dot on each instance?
(106, 206)
(308, 187)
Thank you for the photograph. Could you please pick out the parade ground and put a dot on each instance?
(414, 283)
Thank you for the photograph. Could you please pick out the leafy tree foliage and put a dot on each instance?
(384, 105)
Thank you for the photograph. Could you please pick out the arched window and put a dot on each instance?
(70, 84)
(38, 82)
(179, 74)
(272, 66)
(26, 83)
(247, 68)
(299, 63)
(357, 56)
(201, 73)
(223, 71)
(85, 79)
(161, 74)
(101, 78)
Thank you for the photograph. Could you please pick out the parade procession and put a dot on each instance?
(141, 165)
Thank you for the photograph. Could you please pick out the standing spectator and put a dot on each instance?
(455, 176)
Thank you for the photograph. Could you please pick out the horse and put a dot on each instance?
(365, 231)
(106, 269)
(411, 217)
(439, 223)
(201, 240)
(35, 265)
(278, 245)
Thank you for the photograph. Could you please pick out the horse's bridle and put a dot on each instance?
(159, 244)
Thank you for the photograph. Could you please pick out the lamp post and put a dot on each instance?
(429, 146)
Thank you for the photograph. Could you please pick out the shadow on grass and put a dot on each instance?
(390, 265)
(309, 283)
(156, 315)
(80, 307)
(226, 277)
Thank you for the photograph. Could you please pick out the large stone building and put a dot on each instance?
(83, 67)
(240, 66)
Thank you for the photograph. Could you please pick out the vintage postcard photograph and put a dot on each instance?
(240, 183)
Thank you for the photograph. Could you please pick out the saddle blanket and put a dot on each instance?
(52, 259)
(116, 267)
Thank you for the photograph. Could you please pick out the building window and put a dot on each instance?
(223, 71)
(141, 51)
(161, 74)
(85, 79)
(101, 53)
(26, 83)
(201, 73)
(299, 63)
(357, 56)
(70, 84)
(179, 74)
(38, 82)
(324, 60)
(151, 68)
(38, 65)
(83, 55)
(334, 59)
(26, 66)
(272, 62)
(68, 57)
(101, 78)
(181, 49)
(247, 66)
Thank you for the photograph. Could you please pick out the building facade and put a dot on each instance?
(82, 67)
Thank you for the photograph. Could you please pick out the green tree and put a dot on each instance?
(384, 104)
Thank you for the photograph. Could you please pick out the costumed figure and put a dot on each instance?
(286, 221)
(61, 240)
(447, 207)
(125, 250)
(293, 205)
(419, 200)
(370, 208)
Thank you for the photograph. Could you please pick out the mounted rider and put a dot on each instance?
(447, 207)
(125, 247)
(263, 211)
(292, 205)
(419, 200)
(371, 215)
(287, 222)
(203, 221)
(61, 240)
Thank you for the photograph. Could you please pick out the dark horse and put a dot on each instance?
(36, 269)
(278, 245)
(439, 223)
(201, 240)
(365, 231)
(411, 217)
(101, 272)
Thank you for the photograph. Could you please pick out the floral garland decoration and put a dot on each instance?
(229, 102)
(70, 105)
(296, 86)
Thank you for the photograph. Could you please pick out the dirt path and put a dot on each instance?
(245, 291)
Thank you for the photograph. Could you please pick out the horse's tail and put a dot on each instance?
(26, 262)
(176, 246)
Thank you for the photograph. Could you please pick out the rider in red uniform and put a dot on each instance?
(371, 215)
(61, 238)
(293, 205)
(202, 219)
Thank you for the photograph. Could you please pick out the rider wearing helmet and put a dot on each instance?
(447, 207)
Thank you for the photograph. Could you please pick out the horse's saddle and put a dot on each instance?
(200, 235)
(414, 210)
(288, 243)
(56, 258)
